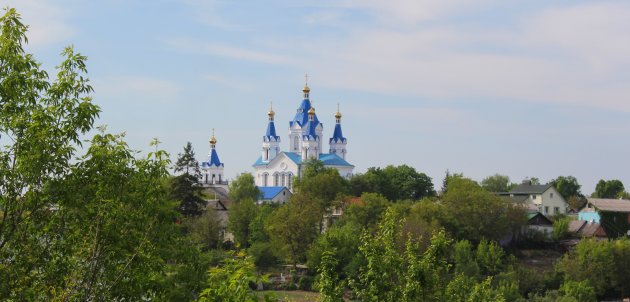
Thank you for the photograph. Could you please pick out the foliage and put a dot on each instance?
(497, 183)
(243, 188)
(447, 178)
(240, 219)
(580, 291)
(293, 227)
(230, 281)
(205, 230)
(367, 214)
(328, 283)
(394, 182)
(343, 242)
(320, 183)
(186, 189)
(187, 163)
(609, 189)
(469, 212)
(264, 255)
(567, 186)
(560, 228)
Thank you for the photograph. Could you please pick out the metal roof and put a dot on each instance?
(530, 189)
(611, 205)
(270, 192)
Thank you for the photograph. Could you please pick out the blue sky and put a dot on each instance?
(522, 88)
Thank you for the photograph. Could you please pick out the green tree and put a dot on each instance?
(293, 227)
(186, 189)
(591, 260)
(230, 281)
(240, 219)
(567, 186)
(205, 230)
(580, 291)
(473, 213)
(187, 163)
(393, 182)
(497, 183)
(328, 283)
(323, 184)
(609, 189)
(560, 228)
(243, 187)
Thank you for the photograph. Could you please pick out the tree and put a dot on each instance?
(293, 227)
(205, 230)
(321, 183)
(473, 213)
(240, 219)
(187, 163)
(447, 178)
(609, 189)
(328, 283)
(560, 228)
(497, 183)
(393, 182)
(567, 186)
(188, 192)
(230, 281)
(244, 187)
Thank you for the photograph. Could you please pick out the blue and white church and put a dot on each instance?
(276, 168)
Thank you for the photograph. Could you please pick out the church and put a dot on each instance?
(276, 168)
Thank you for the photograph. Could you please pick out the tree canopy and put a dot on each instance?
(609, 189)
(394, 182)
(497, 183)
(244, 188)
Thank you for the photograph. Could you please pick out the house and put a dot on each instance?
(583, 228)
(612, 214)
(545, 197)
(217, 200)
(278, 195)
(537, 222)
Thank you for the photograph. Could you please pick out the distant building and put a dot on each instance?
(276, 168)
(546, 198)
(278, 195)
(582, 228)
(612, 214)
(212, 170)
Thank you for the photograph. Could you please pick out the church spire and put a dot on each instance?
(271, 142)
(213, 168)
(337, 141)
(306, 90)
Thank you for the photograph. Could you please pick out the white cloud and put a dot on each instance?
(222, 50)
(47, 21)
(120, 88)
(571, 55)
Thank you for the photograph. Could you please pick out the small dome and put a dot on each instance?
(271, 113)
(311, 111)
(213, 140)
(338, 115)
(306, 89)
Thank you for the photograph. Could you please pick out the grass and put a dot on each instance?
(293, 296)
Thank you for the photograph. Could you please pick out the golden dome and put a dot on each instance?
(271, 113)
(311, 111)
(338, 115)
(306, 89)
(213, 140)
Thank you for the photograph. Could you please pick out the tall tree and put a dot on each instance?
(567, 186)
(243, 188)
(609, 189)
(294, 226)
(187, 190)
(394, 182)
(240, 219)
(187, 163)
(497, 183)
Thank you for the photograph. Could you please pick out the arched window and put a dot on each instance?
(275, 179)
(266, 154)
(283, 178)
(289, 178)
(265, 178)
(296, 143)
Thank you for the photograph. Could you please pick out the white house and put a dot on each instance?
(545, 197)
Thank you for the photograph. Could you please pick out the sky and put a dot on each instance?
(521, 88)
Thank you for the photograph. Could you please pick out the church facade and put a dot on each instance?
(276, 168)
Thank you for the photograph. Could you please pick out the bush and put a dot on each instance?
(305, 283)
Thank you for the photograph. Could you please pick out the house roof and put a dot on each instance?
(538, 218)
(270, 192)
(586, 229)
(611, 205)
(526, 188)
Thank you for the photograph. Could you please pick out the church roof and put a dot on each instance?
(301, 117)
(214, 160)
(269, 192)
(311, 132)
(328, 159)
(337, 135)
(271, 132)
